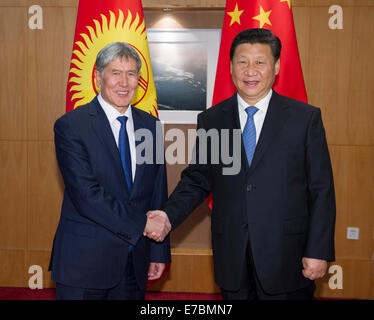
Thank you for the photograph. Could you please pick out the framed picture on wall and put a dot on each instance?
(184, 63)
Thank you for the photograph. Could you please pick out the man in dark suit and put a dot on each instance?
(99, 250)
(272, 223)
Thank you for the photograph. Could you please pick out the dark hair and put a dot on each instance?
(253, 36)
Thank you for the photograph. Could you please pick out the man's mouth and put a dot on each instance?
(253, 83)
(122, 93)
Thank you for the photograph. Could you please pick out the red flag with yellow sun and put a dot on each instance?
(98, 24)
(275, 15)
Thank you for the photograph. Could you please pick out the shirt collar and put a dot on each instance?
(262, 105)
(111, 113)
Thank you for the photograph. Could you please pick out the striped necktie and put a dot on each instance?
(249, 134)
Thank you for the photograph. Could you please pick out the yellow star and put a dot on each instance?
(235, 15)
(288, 1)
(263, 17)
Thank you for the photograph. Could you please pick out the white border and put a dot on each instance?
(210, 36)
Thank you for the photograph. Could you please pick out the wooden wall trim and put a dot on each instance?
(187, 4)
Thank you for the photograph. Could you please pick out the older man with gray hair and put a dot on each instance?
(100, 250)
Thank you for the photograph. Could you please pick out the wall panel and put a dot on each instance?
(354, 180)
(38, 258)
(13, 58)
(358, 280)
(355, 78)
(44, 198)
(13, 193)
(48, 52)
(191, 271)
(12, 268)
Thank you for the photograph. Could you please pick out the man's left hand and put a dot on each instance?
(155, 270)
(314, 268)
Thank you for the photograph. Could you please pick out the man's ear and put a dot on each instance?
(98, 78)
(277, 67)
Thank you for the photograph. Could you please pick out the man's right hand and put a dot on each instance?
(158, 225)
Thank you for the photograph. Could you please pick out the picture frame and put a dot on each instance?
(184, 63)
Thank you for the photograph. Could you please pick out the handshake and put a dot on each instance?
(158, 225)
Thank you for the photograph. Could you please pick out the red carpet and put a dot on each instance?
(13, 293)
(9, 293)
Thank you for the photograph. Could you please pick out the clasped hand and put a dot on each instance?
(158, 225)
(314, 268)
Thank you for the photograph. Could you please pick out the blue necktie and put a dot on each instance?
(249, 134)
(124, 151)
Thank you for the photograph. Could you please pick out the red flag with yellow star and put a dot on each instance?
(275, 15)
(98, 24)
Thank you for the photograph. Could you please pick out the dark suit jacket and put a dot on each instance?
(99, 218)
(284, 204)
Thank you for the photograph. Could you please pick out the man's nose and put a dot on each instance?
(123, 81)
(250, 70)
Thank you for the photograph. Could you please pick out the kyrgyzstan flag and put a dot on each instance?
(99, 23)
(275, 15)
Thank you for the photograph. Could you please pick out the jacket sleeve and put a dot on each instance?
(193, 188)
(89, 197)
(160, 251)
(322, 211)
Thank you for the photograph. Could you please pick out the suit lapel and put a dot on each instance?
(275, 119)
(104, 133)
(231, 116)
(232, 121)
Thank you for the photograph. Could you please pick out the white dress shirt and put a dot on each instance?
(259, 116)
(112, 114)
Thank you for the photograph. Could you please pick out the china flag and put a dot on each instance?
(275, 15)
(98, 24)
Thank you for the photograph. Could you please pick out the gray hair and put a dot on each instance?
(114, 50)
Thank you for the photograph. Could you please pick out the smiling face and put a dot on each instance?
(118, 82)
(253, 71)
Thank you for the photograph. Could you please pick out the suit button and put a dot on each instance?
(249, 187)
(245, 225)
(124, 235)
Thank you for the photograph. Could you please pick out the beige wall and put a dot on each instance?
(338, 72)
